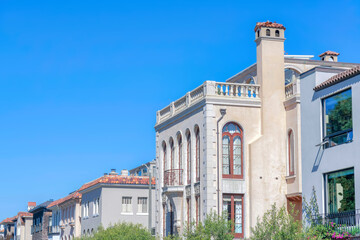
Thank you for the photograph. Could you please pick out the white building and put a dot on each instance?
(234, 146)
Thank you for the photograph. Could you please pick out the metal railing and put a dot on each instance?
(346, 219)
(338, 138)
(173, 177)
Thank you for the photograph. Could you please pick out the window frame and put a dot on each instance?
(197, 159)
(291, 153)
(232, 217)
(188, 159)
(231, 152)
(327, 138)
(128, 206)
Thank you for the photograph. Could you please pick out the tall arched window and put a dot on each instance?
(232, 151)
(277, 33)
(291, 155)
(197, 134)
(180, 150)
(164, 158)
(188, 158)
(172, 154)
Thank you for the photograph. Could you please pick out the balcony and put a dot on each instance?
(173, 177)
(348, 219)
(55, 229)
(233, 93)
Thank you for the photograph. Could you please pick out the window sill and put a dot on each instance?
(142, 214)
(127, 213)
(290, 177)
(96, 215)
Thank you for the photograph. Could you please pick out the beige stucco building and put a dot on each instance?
(234, 146)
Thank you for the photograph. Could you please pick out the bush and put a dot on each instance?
(214, 227)
(122, 231)
(277, 224)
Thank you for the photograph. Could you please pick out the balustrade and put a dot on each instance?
(173, 177)
(210, 89)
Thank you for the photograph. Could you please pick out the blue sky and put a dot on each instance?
(81, 81)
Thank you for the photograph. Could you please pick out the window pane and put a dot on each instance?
(237, 155)
(231, 128)
(341, 191)
(338, 117)
(226, 154)
(238, 216)
(227, 208)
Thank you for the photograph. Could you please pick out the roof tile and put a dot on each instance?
(268, 24)
(329, 53)
(338, 78)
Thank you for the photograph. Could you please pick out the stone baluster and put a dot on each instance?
(188, 99)
(231, 90)
(157, 116)
(172, 108)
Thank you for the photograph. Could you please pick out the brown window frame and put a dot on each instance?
(197, 155)
(232, 217)
(291, 153)
(231, 152)
(188, 159)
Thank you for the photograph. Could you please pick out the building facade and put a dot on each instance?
(66, 217)
(22, 226)
(330, 135)
(41, 221)
(234, 146)
(115, 198)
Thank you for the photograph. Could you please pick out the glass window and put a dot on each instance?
(142, 205)
(338, 119)
(233, 207)
(340, 191)
(232, 158)
(197, 155)
(290, 76)
(126, 205)
(291, 156)
(188, 160)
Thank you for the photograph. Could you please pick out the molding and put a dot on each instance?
(295, 99)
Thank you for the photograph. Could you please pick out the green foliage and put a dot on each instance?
(277, 224)
(122, 231)
(340, 117)
(214, 227)
(311, 213)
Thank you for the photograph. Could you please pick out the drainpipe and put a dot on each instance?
(222, 112)
(150, 196)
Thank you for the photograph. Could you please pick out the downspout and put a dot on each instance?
(222, 112)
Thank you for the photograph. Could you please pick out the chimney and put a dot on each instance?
(124, 172)
(113, 172)
(31, 205)
(329, 56)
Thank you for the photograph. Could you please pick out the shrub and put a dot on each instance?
(122, 231)
(277, 224)
(214, 227)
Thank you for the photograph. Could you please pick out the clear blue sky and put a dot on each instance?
(81, 81)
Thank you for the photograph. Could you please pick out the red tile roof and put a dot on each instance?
(73, 195)
(32, 204)
(8, 220)
(338, 78)
(329, 53)
(24, 214)
(119, 179)
(268, 24)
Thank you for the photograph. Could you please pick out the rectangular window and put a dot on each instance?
(142, 205)
(337, 119)
(233, 206)
(188, 208)
(126, 205)
(340, 191)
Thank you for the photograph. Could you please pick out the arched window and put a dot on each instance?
(180, 150)
(197, 135)
(258, 33)
(188, 158)
(291, 155)
(172, 154)
(232, 151)
(291, 76)
(267, 32)
(277, 33)
(164, 159)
